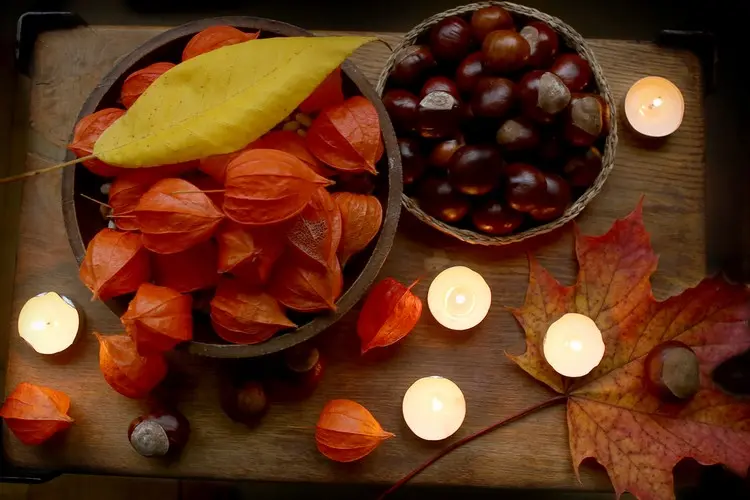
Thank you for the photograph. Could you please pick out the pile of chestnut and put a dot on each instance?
(500, 128)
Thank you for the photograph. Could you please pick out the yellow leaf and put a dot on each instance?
(220, 101)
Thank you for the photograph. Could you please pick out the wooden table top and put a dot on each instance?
(530, 453)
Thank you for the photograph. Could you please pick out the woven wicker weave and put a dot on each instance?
(573, 40)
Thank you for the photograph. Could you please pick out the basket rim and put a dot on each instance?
(572, 39)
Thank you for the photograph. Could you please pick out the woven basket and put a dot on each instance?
(573, 40)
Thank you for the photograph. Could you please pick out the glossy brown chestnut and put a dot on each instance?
(245, 403)
(517, 134)
(402, 108)
(583, 169)
(439, 84)
(300, 375)
(496, 219)
(469, 72)
(505, 51)
(441, 154)
(488, 19)
(586, 119)
(412, 160)
(159, 433)
(556, 199)
(551, 149)
(573, 70)
(475, 169)
(542, 95)
(439, 115)
(493, 97)
(543, 43)
(438, 198)
(450, 39)
(357, 182)
(525, 187)
(414, 65)
(672, 372)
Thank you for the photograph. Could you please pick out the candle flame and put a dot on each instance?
(437, 405)
(576, 345)
(460, 299)
(37, 325)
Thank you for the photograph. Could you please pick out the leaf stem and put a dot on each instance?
(463, 441)
(95, 200)
(33, 173)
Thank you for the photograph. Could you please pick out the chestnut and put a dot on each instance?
(526, 186)
(551, 149)
(543, 43)
(413, 65)
(672, 372)
(438, 198)
(441, 154)
(469, 72)
(517, 134)
(583, 169)
(300, 374)
(246, 403)
(439, 115)
(488, 19)
(159, 433)
(556, 199)
(301, 358)
(542, 95)
(450, 39)
(505, 51)
(475, 169)
(439, 84)
(573, 70)
(402, 107)
(412, 160)
(493, 97)
(586, 119)
(496, 219)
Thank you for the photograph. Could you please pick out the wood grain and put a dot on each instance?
(530, 453)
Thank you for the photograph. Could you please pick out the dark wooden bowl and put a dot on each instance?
(83, 218)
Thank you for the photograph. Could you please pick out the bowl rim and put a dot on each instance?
(574, 40)
(391, 215)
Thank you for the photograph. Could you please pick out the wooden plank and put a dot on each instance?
(530, 453)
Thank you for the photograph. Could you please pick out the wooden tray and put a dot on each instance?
(531, 453)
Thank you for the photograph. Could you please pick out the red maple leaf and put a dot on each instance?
(612, 417)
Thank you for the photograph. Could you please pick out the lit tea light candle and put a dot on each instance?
(49, 322)
(459, 298)
(573, 345)
(654, 106)
(434, 408)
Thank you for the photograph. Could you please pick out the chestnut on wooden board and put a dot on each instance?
(554, 202)
(440, 84)
(496, 219)
(573, 70)
(413, 66)
(583, 169)
(442, 152)
(543, 43)
(402, 107)
(493, 97)
(542, 95)
(488, 19)
(439, 115)
(586, 119)
(525, 188)
(412, 159)
(450, 39)
(438, 198)
(672, 372)
(245, 403)
(505, 51)
(469, 72)
(517, 134)
(475, 169)
(159, 433)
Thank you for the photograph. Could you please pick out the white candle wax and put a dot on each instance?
(573, 345)
(654, 106)
(49, 323)
(459, 298)
(434, 408)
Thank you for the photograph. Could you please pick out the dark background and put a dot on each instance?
(726, 105)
